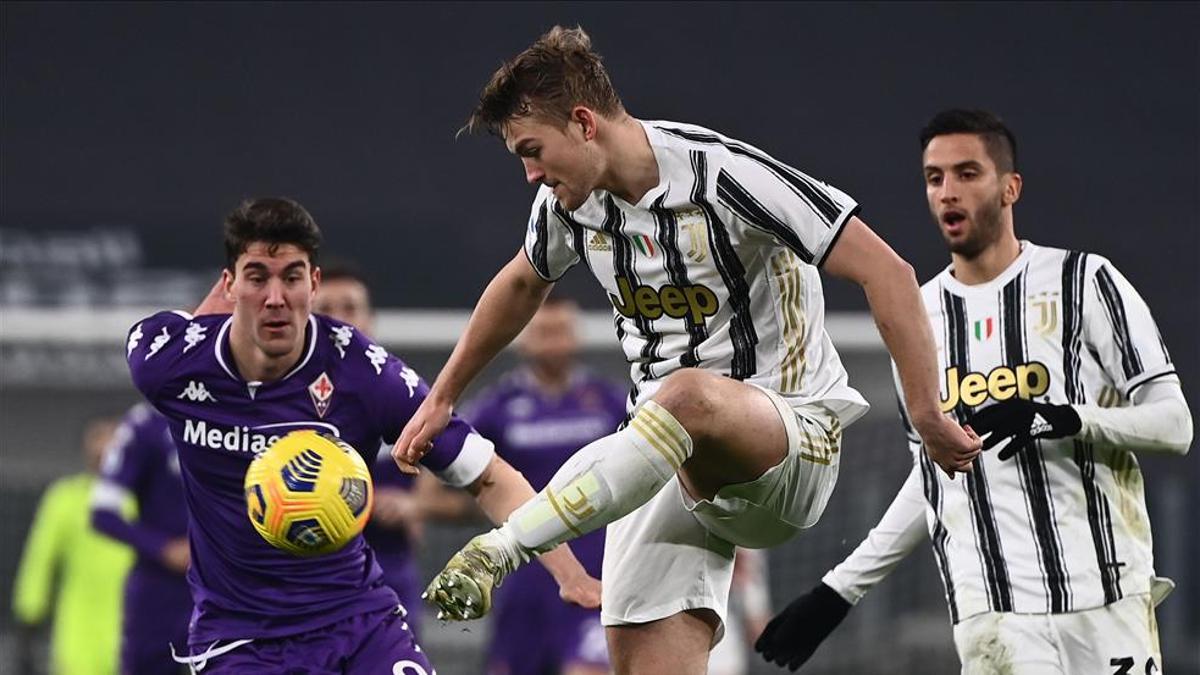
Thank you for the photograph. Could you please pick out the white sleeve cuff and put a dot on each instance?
(472, 459)
(109, 496)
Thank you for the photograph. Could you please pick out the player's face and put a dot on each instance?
(345, 300)
(967, 196)
(558, 156)
(272, 292)
(550, 339)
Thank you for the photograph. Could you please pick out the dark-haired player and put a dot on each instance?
(231, 383)
(1051, 355)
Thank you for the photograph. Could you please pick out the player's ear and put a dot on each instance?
(586, 119)
(316, 279)
(227, 283)
(1012, 189)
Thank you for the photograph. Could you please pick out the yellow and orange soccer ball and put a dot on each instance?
(309, 493)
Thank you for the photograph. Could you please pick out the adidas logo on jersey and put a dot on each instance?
(1039, 425)
(1000, 384)
(197, 392)
(599, 242)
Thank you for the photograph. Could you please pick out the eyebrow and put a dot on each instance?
(969, 164)
(262, 267)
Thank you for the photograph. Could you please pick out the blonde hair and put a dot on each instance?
(556, 73)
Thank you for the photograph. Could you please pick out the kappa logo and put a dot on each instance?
(135, 336)
(377, 356)
(194, 335)
(599, 242)
(341, 336)
(321, 391)
(411, 380)
(197, 393)
(160, 341)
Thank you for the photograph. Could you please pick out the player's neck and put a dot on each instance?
(990, 263)
(553, 381)
(253, 364)
(632, 169)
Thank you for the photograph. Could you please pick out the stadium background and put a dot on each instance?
(128, 130)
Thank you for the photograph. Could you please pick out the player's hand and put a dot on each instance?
(791, 637)
(177, 555)
(582, 590)
(1021, 422)
(216, 302)
(397, 509)
(950, 446)
(417, 437)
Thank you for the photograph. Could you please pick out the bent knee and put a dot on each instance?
(691, 395)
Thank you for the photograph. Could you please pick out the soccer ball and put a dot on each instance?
(308, 493)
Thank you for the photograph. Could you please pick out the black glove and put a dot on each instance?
(795, 633)
(1023, 421)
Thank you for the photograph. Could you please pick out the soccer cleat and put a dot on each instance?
(462, 591)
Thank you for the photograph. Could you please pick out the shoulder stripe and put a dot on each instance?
(748, 208)
(806, 188)
(1110, 297)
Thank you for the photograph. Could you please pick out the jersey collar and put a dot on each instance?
(952, 284)
(224, 352)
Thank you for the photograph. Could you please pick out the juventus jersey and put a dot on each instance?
(1062, 528)
(714, 268)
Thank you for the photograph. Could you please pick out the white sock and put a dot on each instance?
(602, 482)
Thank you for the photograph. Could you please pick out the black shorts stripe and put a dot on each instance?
(1110, 298)
(748, 208)
(741, 324)
(933, 495)
(668, 236)
(810, 191)
(1031, 466)
(987, 533)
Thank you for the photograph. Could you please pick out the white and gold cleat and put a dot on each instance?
(462, 591)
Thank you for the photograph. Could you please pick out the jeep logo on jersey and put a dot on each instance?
(695, 302)
(1026, 381)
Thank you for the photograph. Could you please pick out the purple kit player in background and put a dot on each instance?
(538, 416)
(142, 465)
(402, 502)
(229, 385)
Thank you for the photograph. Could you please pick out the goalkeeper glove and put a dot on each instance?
(1023, 421)
(795, 633)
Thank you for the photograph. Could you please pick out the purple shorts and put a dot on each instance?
(373, 643)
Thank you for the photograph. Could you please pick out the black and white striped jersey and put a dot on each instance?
(714, 268)
(1064, 528)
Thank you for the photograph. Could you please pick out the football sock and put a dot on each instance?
(603, 481)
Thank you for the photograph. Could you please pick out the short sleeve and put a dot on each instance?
(459, 455)
(800, 212)
(550, 237)
(1120, 329)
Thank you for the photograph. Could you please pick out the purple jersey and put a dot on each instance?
(536, 433)
(394, 546)
(142, 464)
(343, 384)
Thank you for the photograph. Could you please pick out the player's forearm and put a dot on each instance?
(899, 313)
(147, 542)
(1158, 421)
(507, 304)
(898, 533)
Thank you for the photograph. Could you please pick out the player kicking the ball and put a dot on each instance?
(709, 250)
(1045, 550)
(229, 384)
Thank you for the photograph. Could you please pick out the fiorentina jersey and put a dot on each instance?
(537, 432)
(716, 267)
(343, 385)
(1062, 528)
(141, 463)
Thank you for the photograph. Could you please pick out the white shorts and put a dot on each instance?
(1115, 639)
(675, 553)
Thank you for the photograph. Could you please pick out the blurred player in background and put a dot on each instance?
(142, 466)
(1045, 551)
(402, 502)
(538, 416)
(80, 571)
(231, 383)
(709, 250)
